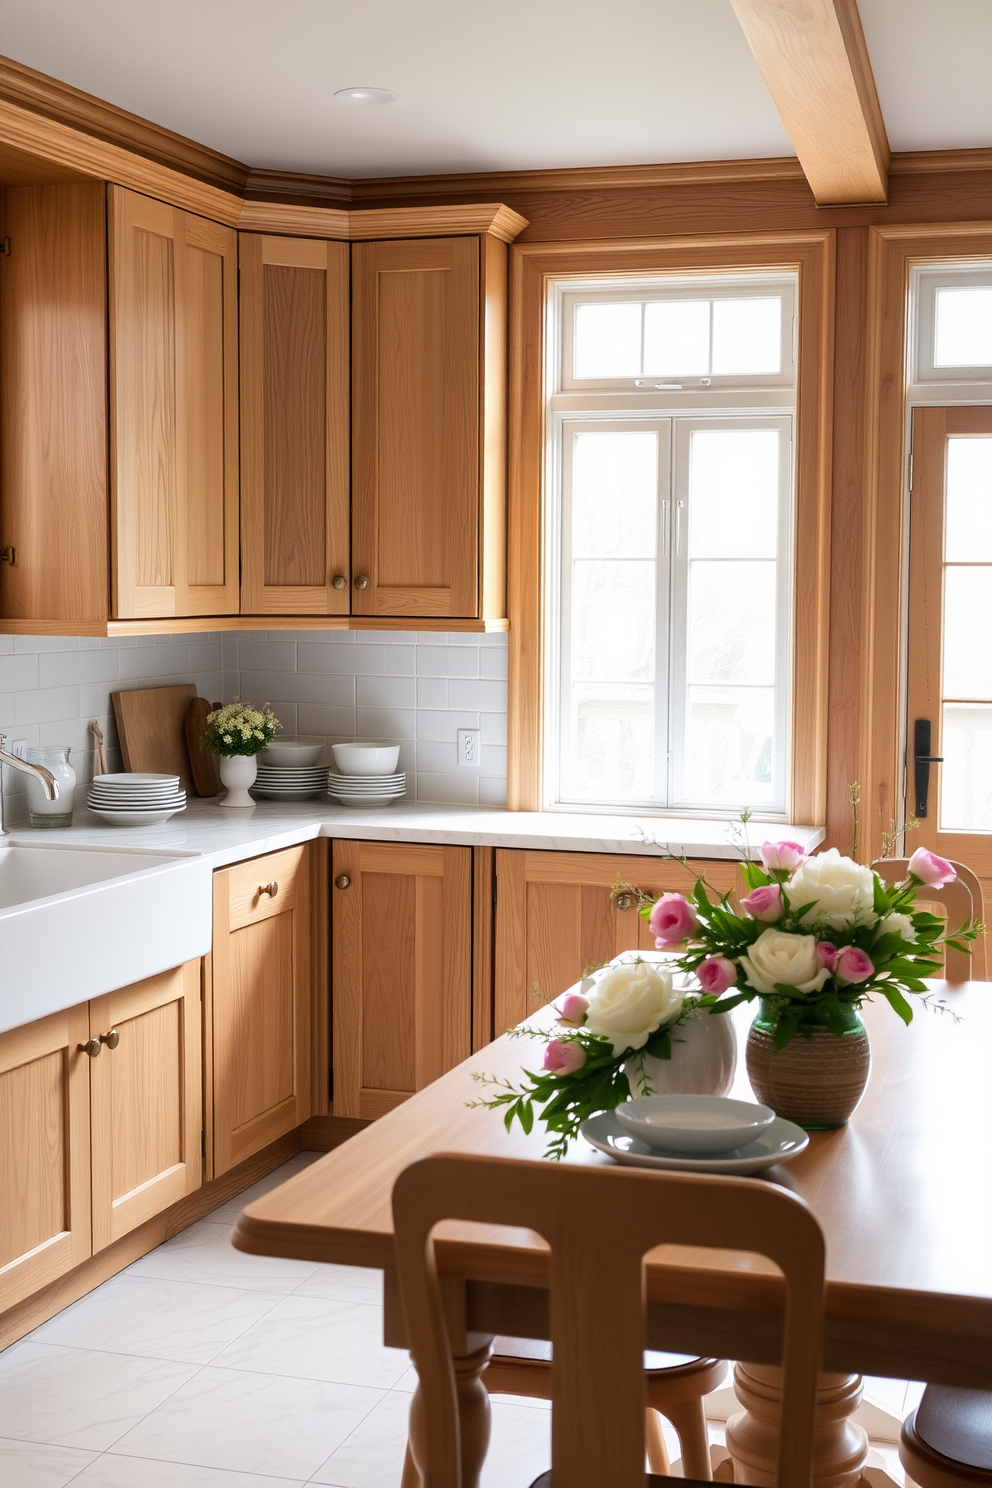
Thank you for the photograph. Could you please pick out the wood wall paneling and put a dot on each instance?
(53, 408)
(402, 970)
(44, 1153)
(295, 414)
(145, 1101)
(415, 427)
(261, 1003)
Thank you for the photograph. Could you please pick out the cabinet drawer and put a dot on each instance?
(264, 887)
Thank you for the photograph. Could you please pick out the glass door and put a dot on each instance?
(949, 750)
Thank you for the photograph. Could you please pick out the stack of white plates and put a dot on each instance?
(289, 782)
(135, 800)
(366, 790)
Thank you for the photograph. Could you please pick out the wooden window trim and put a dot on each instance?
(893, 253)
(812, 256)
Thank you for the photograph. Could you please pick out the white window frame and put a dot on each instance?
(940, 385)
(620, 402)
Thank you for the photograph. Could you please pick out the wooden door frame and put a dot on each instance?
(533, 267)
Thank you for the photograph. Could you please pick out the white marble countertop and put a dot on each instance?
(232, 835)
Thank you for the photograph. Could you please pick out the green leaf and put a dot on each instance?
(897, 1001)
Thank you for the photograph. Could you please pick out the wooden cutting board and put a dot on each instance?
(151, 724)
(203, 762)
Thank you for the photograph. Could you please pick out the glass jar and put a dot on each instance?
(43, 812)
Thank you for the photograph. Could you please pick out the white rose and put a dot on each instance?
(789, 960)
(897, 924)
(629, 1002)
(844, 891)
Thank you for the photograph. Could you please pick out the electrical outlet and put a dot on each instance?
(470, 748)
(20, 748)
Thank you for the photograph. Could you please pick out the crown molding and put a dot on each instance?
(55, 100)
(928, 162)
(294, 186)
(493, 218)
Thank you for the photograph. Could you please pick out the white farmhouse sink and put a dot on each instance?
(76, 922)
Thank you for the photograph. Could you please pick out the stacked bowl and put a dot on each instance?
(366, 775)
(288, 770)
(136, 800)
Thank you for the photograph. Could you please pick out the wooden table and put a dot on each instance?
(903, 1193)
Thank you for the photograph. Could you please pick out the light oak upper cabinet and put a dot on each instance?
(428, 427)
(401, 935)
(264, 981)
(44, 1153)
(295, 404)
(557, 914)
(145, 1099)
(173, 411)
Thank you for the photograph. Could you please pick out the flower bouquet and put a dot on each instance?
(238, 732)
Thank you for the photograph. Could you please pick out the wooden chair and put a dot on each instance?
(963, 900)
(947, 1441)
(599, 1223)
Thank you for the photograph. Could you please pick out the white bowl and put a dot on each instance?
(694, 1123)
(366, 759)
(292, 750)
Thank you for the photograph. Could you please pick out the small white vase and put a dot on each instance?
(237, 772)
(703, 1062)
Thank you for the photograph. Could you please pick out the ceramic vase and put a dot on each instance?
(703, 1062)
(237, 773)
(818, 1078)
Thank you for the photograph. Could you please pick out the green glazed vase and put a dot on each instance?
(819, 1077)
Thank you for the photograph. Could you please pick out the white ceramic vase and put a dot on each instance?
(237, 773)
(703, 1062)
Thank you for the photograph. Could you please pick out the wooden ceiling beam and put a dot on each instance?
(813, 57)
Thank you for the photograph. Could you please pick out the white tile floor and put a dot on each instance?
(202, 1367)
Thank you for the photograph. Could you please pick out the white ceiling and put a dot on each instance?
(527, 84)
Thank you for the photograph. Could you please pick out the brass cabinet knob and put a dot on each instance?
(92, 1047)
(342, 881)
(624, 901)
(339, 581)
(271, 889)
(361, 581)
(111, 1039)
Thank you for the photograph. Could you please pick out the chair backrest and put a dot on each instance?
(599, 1222)
(963, 900)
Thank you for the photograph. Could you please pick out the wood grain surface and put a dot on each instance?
(903, 1194)
(151, 725)
(204, 764)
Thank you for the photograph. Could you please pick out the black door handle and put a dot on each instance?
(922, 760)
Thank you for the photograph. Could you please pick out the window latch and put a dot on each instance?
(661, 387)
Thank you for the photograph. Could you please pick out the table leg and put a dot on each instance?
(473, 1414)
(840, 1447)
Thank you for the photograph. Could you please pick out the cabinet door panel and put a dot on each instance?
(173, 409)
(557, 915)
(146, 1105)
(295, 397)
(402, 958)
(415, 430)
(44, 1153)
(263, 990)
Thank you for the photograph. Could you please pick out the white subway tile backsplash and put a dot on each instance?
(418, 688)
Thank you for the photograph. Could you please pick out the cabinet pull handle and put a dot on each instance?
(8, 555)
(361, 581)
(624, 901)
(271, 889)
(111, 1039)
(92, 1047)
(342, 881)
(339, 581)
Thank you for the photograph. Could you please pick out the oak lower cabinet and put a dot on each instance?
(100, 1125)
(265, 972)
(559, 913)
(401, 931)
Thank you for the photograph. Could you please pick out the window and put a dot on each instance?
(670, 545)
(953, 325)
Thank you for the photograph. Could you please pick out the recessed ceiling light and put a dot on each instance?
(370, 96)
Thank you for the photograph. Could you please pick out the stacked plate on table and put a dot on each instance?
(366, 775)
(136, 800)
(289, 782)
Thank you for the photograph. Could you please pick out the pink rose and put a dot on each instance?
(826, 954)
(929, 869)
(672, 920)
(716, 974)
(782, 857)
(564, 1057)
(573, 1009)
(763, 903)
(853, 965)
